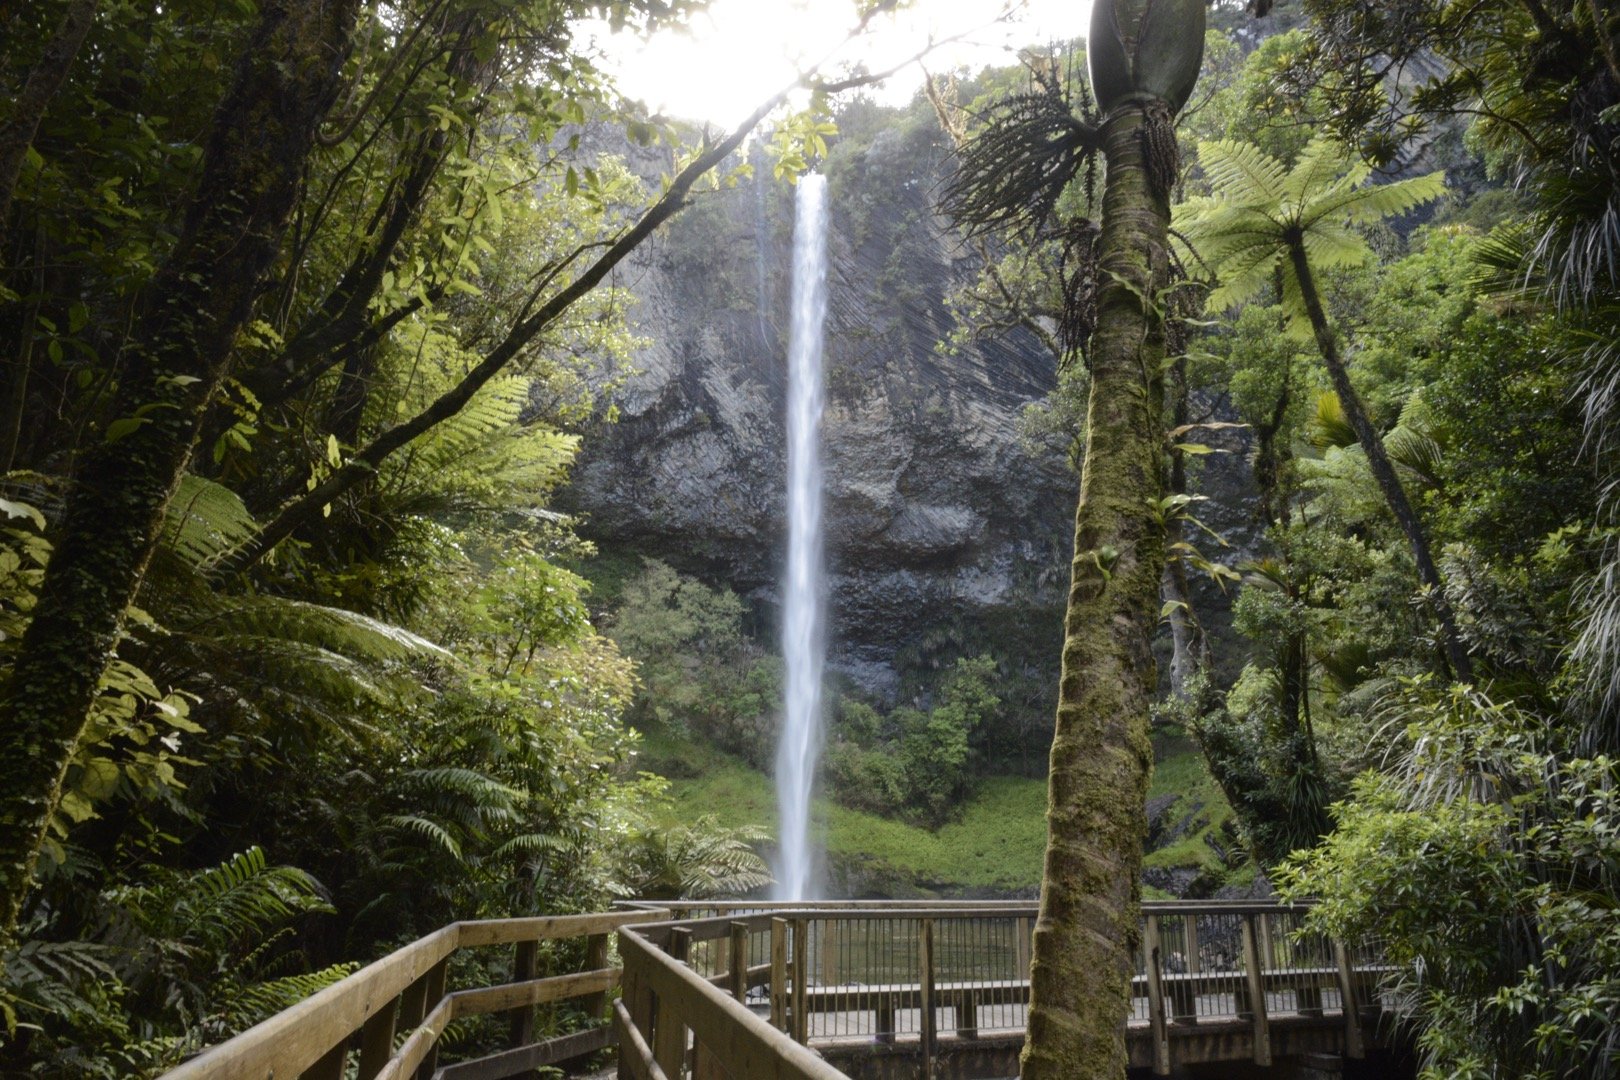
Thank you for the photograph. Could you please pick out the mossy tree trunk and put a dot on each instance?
(261, 135)
(1102, 757)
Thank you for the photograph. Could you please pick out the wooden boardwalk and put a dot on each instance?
(754, 991)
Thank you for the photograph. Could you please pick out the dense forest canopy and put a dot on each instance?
(308, 307)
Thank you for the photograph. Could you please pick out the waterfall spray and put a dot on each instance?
(803, 631)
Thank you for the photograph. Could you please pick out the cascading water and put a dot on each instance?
(803, 640)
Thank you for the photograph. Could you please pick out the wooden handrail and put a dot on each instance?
(316, 1032)
(685, 1009)
(741, 1042)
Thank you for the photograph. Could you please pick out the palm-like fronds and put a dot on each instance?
(204, 520)
(698, 861)
(1328, 424)
(483, 455)
(1260, 208)
(1011, 173)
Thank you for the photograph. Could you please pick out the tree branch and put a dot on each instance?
(364, 464)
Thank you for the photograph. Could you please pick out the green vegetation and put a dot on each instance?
(306, 312)
(992, 845)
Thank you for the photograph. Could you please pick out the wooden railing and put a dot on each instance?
(835, 974)
(364, 1016)
(762, 991)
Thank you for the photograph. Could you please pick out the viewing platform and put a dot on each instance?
(819, 991)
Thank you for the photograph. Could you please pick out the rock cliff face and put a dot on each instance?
(936, 512)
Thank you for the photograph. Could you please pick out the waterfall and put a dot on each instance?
(803, 634)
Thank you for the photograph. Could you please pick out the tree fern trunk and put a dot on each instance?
(1101, 753)
(199, 300)
(1383, 471)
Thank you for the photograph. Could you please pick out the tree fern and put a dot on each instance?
(1259, 206)
(1264, 217)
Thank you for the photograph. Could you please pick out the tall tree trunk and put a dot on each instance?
(197, 303)
(1383, 471)
(1102, 757)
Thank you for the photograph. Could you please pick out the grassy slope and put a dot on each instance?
(995, 845)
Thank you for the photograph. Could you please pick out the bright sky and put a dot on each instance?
(740, 52)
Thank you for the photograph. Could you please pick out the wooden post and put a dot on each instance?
(1155, 981)
(377, 1041)
(925, 966)
(1021, 943)
(435, 991)
(801, 980)
(669, 1028)
(596, 958)
(1353, 1047)
(1257, 993)
(637, 1000)
(413, 1003)
(966, 1003)
(739, 961)
(1195, 966)
(779, 987)
(330, 1066)
(525, 966)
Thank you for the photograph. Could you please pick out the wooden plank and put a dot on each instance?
(525, 966)
(550, 927)
(635, 1056)
(739, 961)
(1350, 1001)
(799, 980)
(779, 974)
(925, 968)
(669, 1026)
(748, 1047)
(509, 996)
(376, 1043)
(330, 1067)
(296, 1038)
(436, 982)
(1151, 947)
(1257, 993)
(533, 1056)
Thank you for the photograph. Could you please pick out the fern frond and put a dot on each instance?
(1318, 168)
(1242, 275)
(333, 629)
(427, 828)
(261, 1000)
(1330, 245)
(205, 520)
(1365, 205)
(1242, 174)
